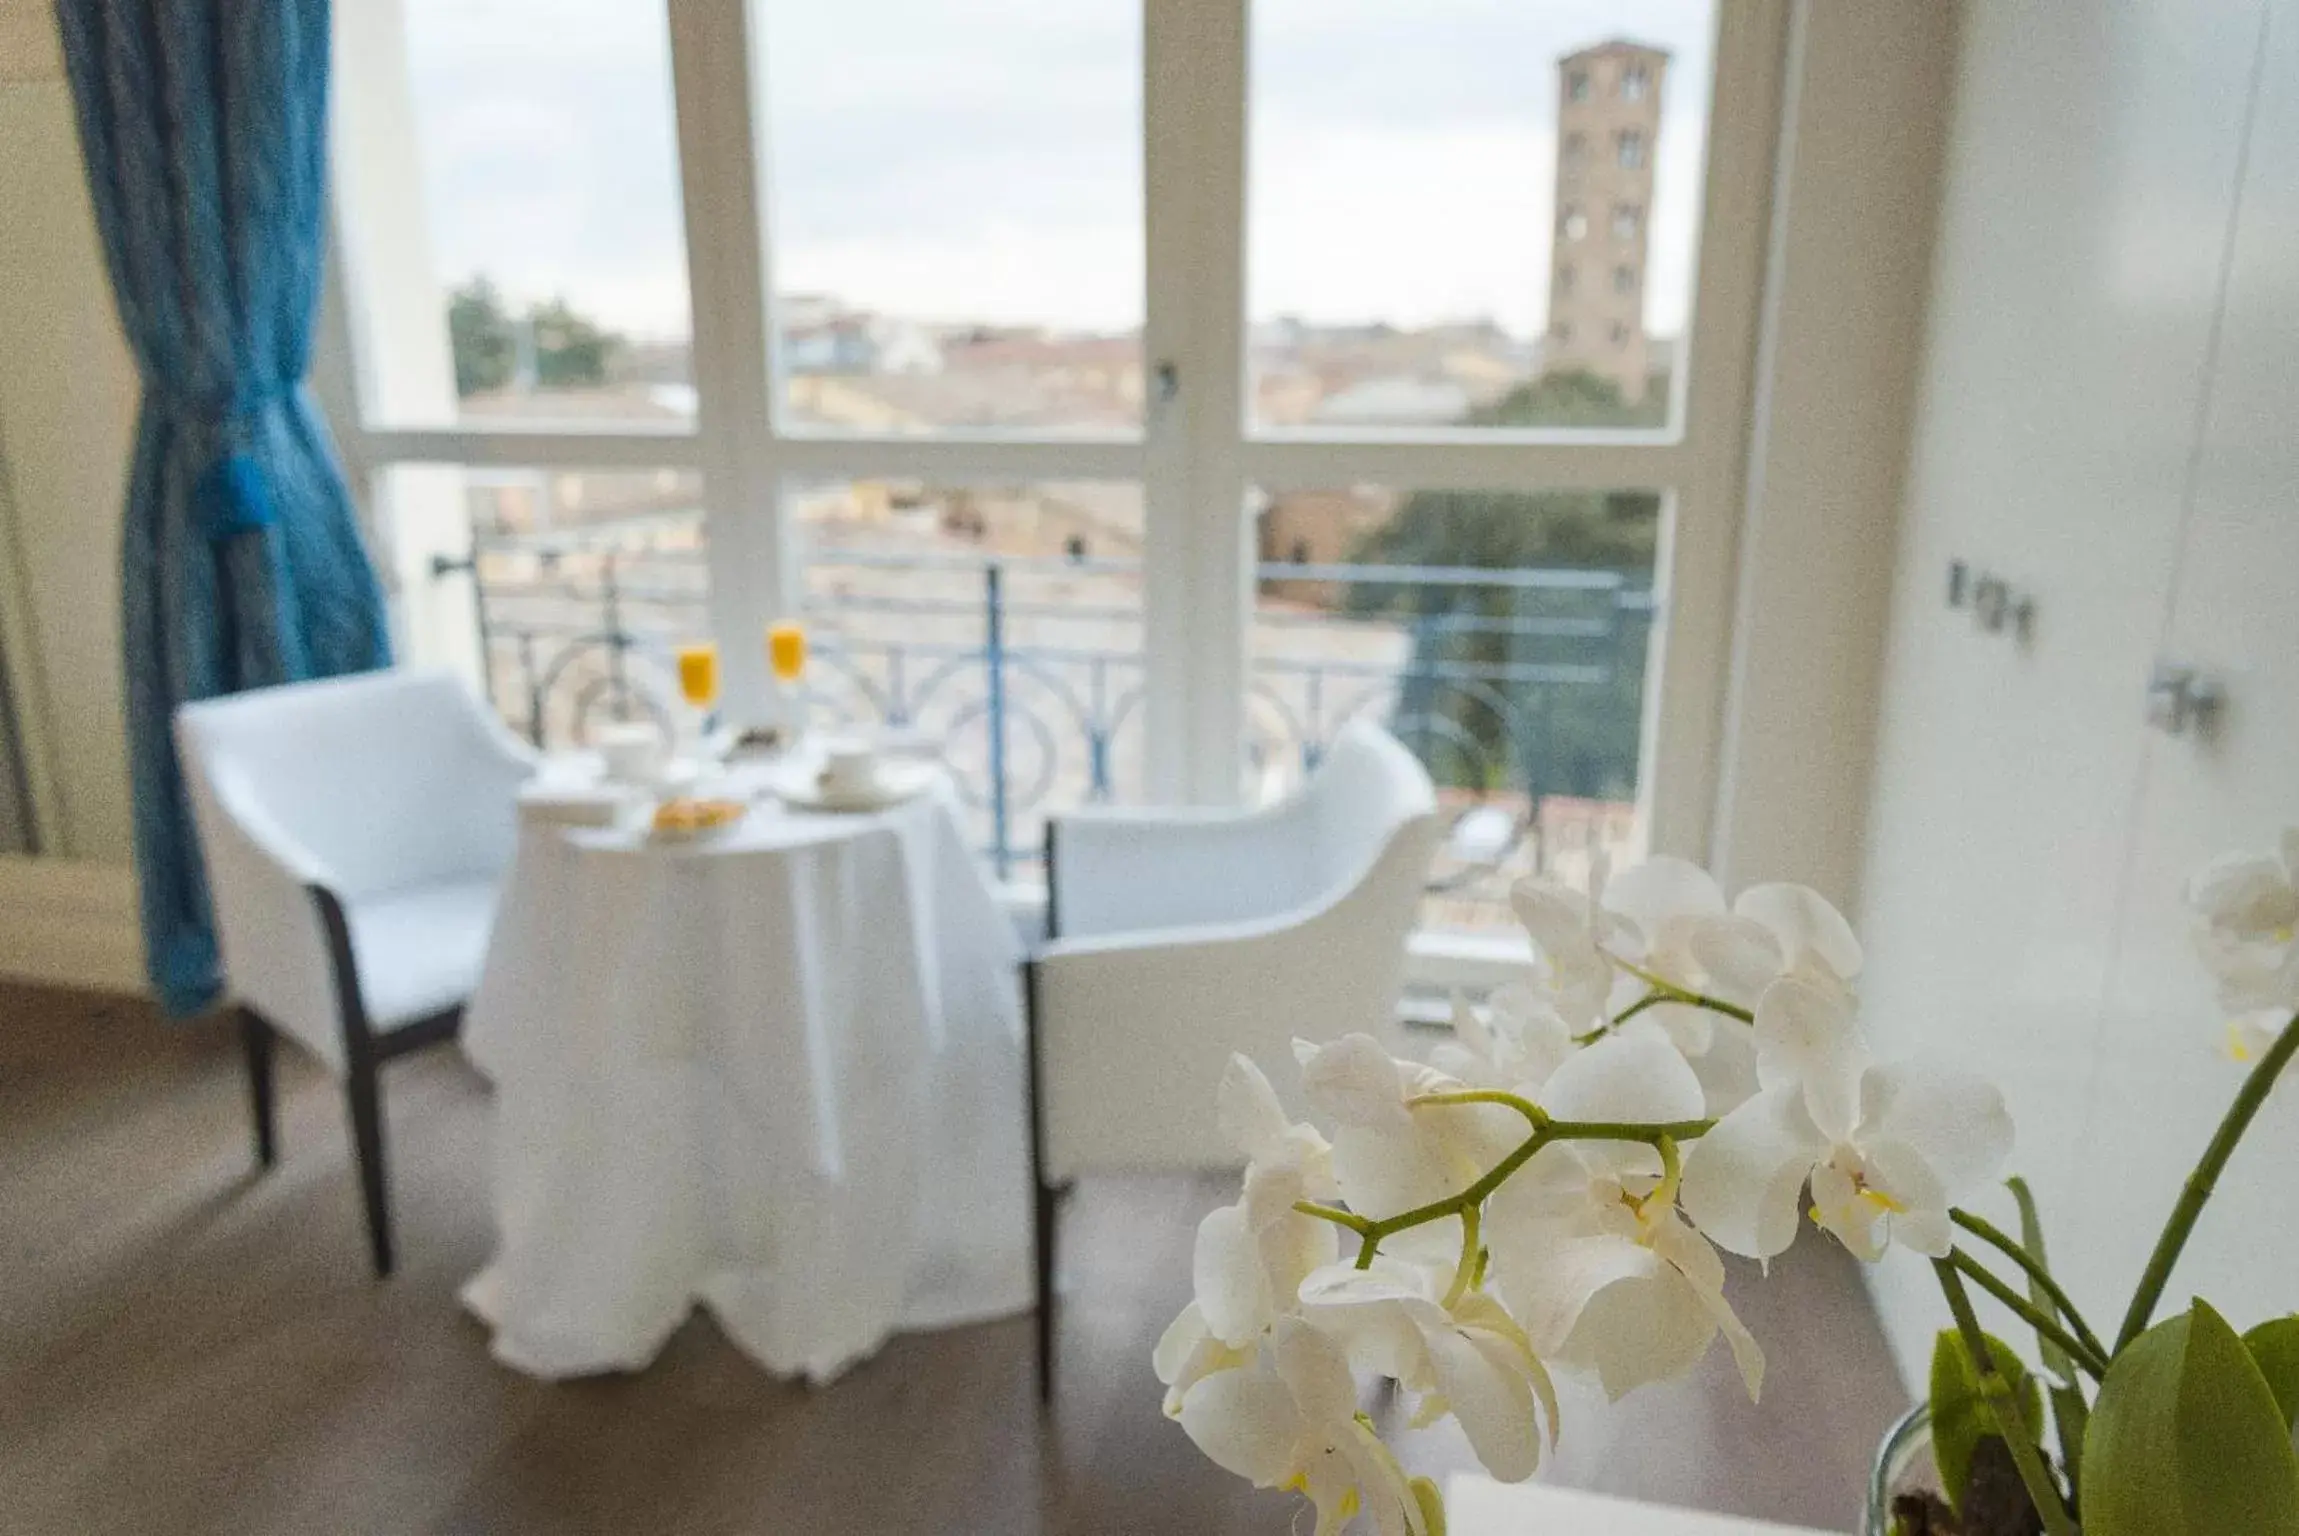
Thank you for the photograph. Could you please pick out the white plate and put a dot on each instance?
(897, 781)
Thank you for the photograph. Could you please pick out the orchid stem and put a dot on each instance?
(2089, 1356)
(1334, 1214)
(2203, 1180)
(1523, 1106)
(2005, 1404)
(1987, 1232)
(1545, 1130)
(1667, 991)
(1466, 1274)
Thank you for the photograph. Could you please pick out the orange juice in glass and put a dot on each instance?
(786, 657)
(698, 674)
(698, 685)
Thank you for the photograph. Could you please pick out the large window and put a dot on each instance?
(1127, 393)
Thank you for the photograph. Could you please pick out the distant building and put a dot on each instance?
(1394, 401)
(1316, 528)
(1608, 125)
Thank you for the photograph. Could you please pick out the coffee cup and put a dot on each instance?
(632, 753)
(849, 767)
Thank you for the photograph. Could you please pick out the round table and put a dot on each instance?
(778, 1071)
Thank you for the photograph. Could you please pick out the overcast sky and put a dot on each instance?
(983, 161)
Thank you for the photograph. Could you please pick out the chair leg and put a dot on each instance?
(1049, 1209)
(361, 1058)
(1049, 1195)
(367, 1138)
(255, 1040)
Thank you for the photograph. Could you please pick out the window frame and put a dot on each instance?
(1198, 454)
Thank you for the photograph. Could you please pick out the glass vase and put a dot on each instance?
(1903, 1465)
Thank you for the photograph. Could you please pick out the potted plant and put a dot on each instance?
(1681, 1076)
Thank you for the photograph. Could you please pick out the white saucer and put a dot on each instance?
(895, 782)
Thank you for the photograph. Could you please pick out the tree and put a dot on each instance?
(1479, 722)
(567, 350)
(570, 351)
(479, 331)
(1576, 398)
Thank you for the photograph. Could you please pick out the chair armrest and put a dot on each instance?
(278, 852)
(275, 953)
(1111, 871)
(521, 760)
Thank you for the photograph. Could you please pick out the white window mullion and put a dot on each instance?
(1687, 672)
(716, 71)
(1196, 570)
(1466, 460)
(386, 356)
(638, 447)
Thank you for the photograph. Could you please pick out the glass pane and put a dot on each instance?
(1473, 212)
(551, 212)
(1001, 626)
(587, 580)
(1501, 635)
(957, 212)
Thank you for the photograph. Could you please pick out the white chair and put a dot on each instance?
(1178, 937)
(355, 832)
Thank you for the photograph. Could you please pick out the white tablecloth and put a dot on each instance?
(779, 1072)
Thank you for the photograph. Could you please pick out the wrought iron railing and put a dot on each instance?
(1521, 689)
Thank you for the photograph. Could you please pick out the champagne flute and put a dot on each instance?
(698, 685)
(786, 656)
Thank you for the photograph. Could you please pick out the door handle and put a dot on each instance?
(2181, 698)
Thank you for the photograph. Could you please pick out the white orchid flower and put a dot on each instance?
(1673, 910)
(1251, 1257)
(1288, 1419)
(1588, 1249)
(1667, 919)
(1512, 1044)
(2246, 912)
(1886, 1149)
(1572, 932)
(1777, 930)
(1470, 1359)
(1188, 1352)
(1387, 1157)
(1771, 931)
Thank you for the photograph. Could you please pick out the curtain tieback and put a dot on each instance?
(232, 496)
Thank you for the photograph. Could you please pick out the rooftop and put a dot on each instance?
(1613, 47)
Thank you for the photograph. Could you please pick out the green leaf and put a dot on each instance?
(2072, 1414)
(1961, 1414)
(2186, 1439)
(2274, 1349)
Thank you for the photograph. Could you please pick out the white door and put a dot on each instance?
(2090, 180)
(2163, 1075)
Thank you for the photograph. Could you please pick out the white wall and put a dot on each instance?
(67, 411)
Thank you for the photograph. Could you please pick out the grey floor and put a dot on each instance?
(186, 1348)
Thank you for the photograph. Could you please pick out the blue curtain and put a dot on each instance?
(204, 128)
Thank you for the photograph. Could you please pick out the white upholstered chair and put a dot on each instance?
(355, 832)
(1178, 937)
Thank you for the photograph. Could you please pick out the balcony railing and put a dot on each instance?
(1520, 689)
